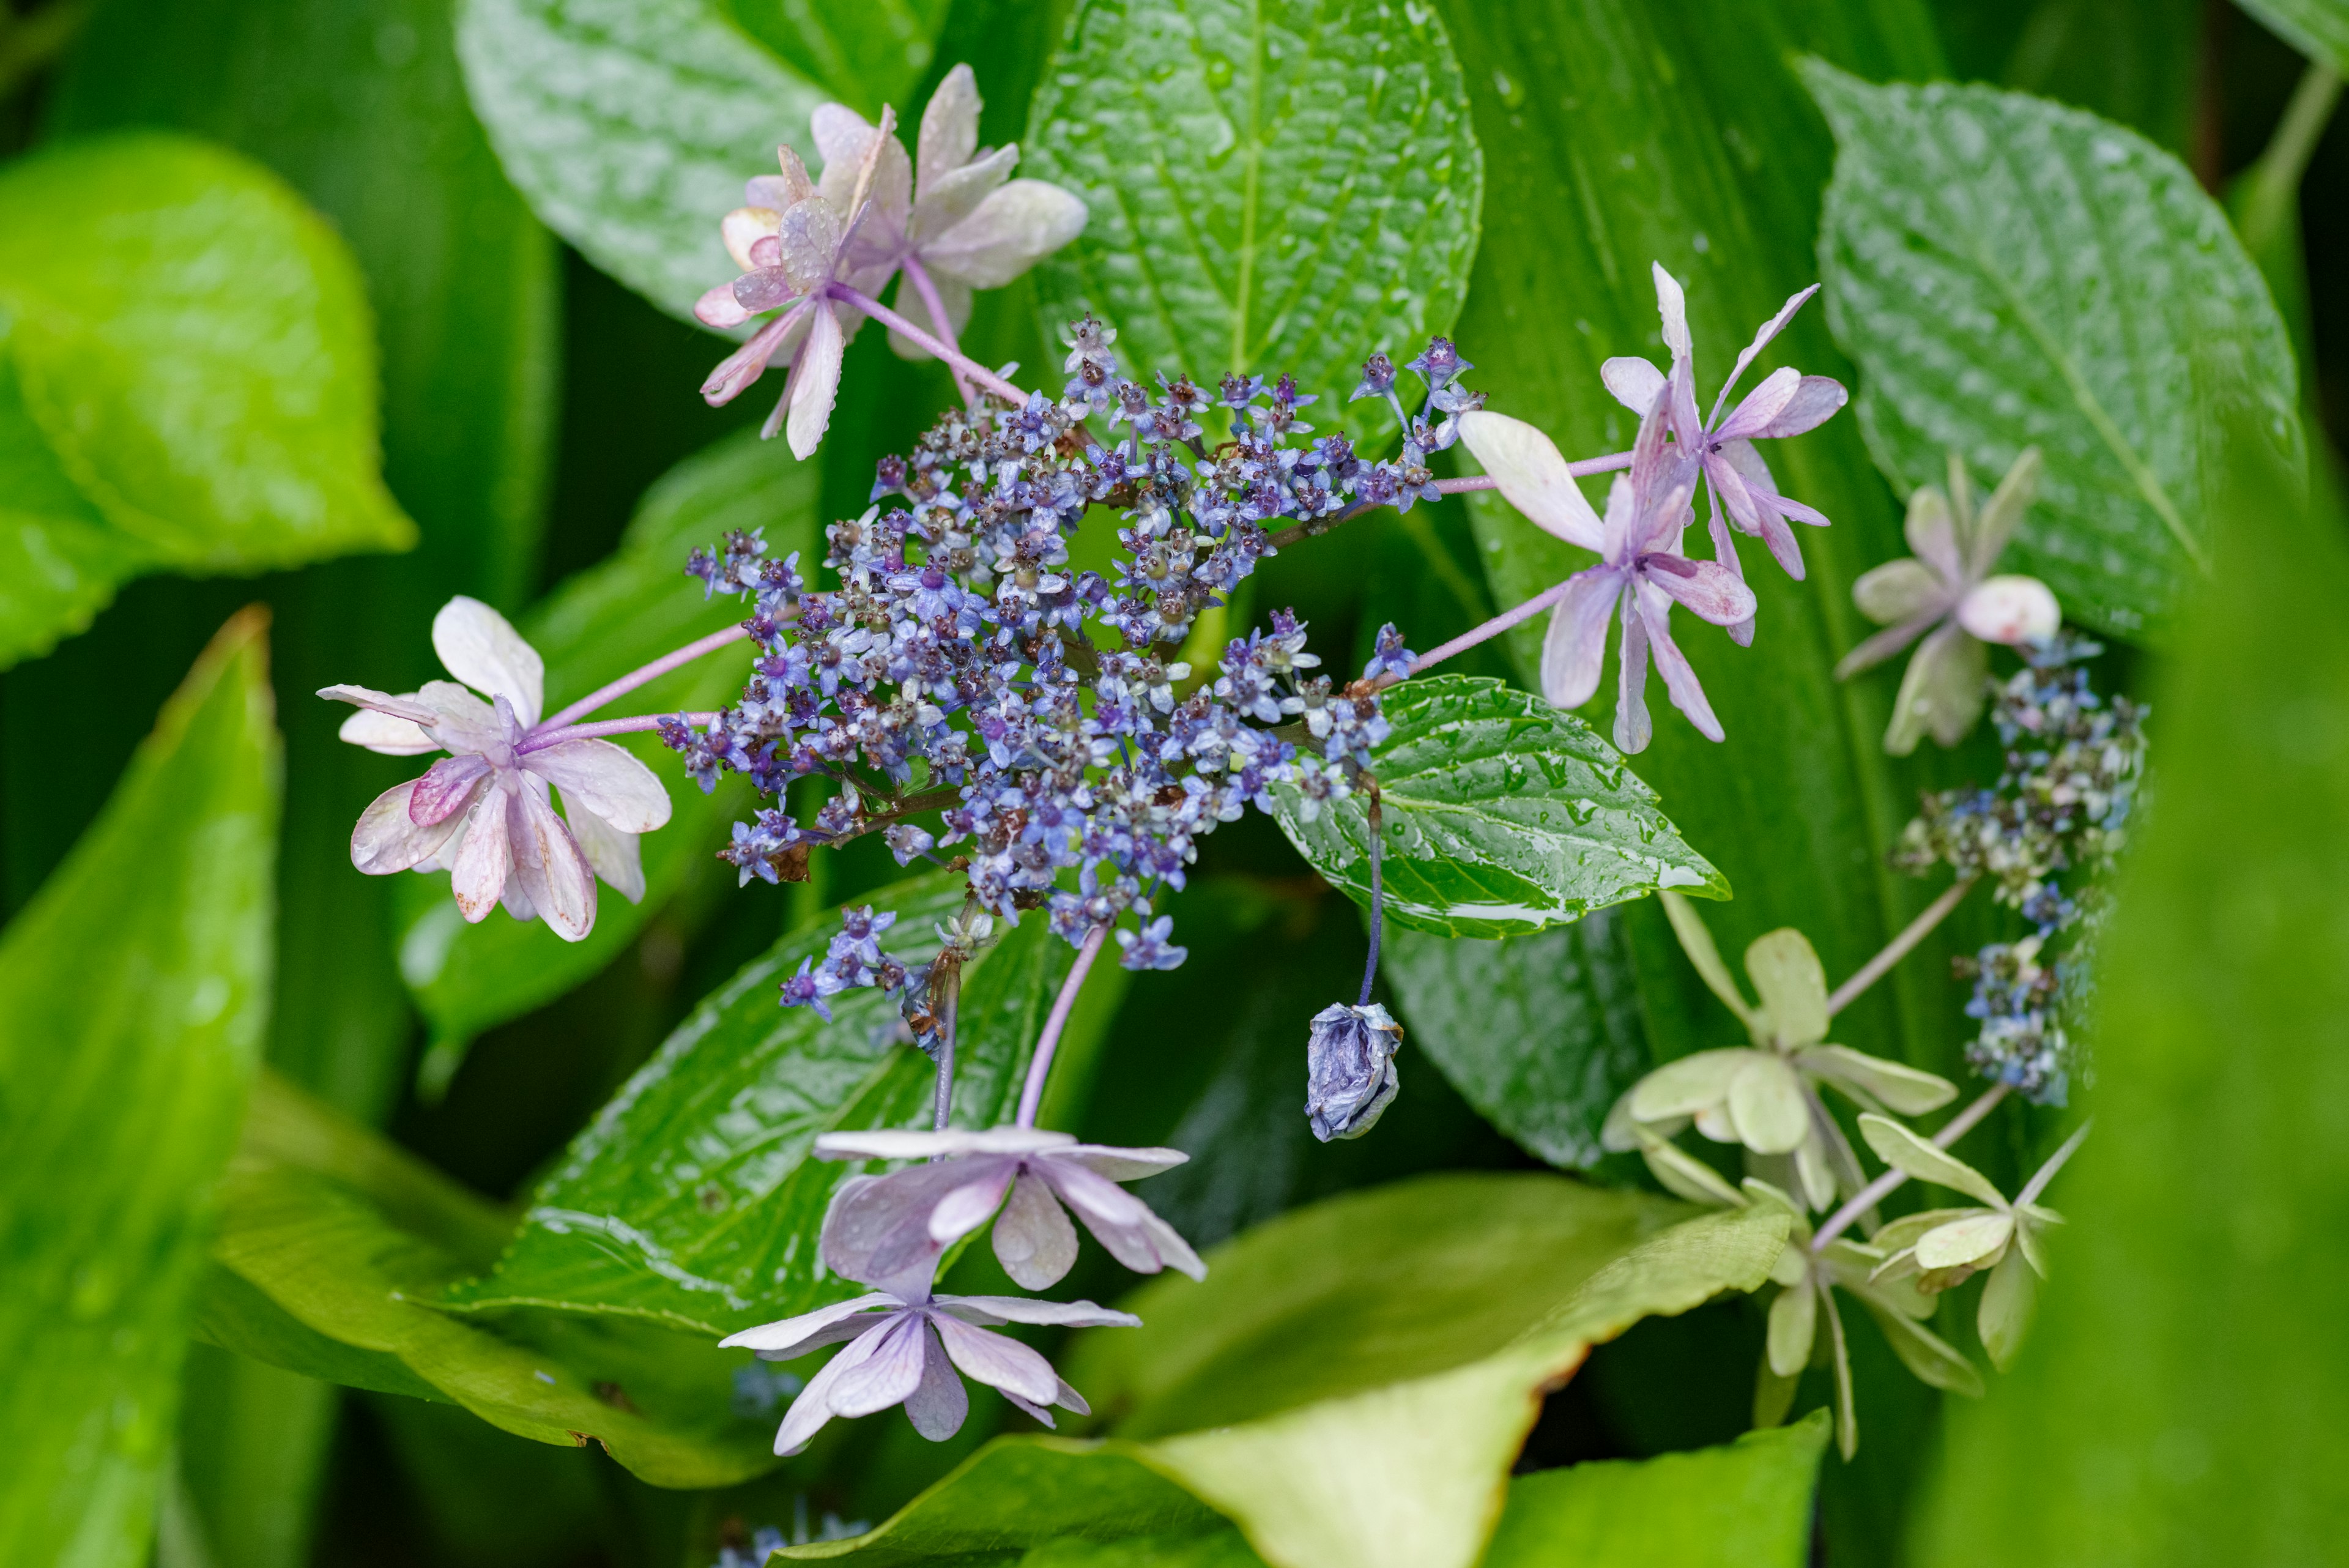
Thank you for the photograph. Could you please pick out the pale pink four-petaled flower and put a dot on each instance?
(964, 223)
(484, 812)
(1641, 568)
(883, 1228)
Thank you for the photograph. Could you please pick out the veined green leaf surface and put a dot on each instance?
(330, 1246)
(630, 125)
(136, 988)
(598, 625)
(195, 350)
(1499, 815)
(1313, 197)
(2177, 1402)
(2317, 28)
(865, 55)
(2011, 273)
(1541, 1033)
(692, 1200)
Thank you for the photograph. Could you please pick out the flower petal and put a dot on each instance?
(1688, 1084)
(890, 1374)
(998, 1362)
(2011, 610)
(1707, 589)
(955, 194)
(965, 1208)
(1531, 475)
(1679, 679)
(814, 1406)
(989, 1310)
(939, 1402)
(1769, 329)
(949, 132)
(1910, 1091)
(815, 381)
(877, 1229)
(1034, 1240)
(767, 289)
(1794, 1323)
(1902, 590)
(1635, 382)
(484, 858)
(617, 857)
(1762, 405)
(1017, 225)
(1932, 533)
(1815, 400)
(889, 1143)
(1122, 1163)
(446, 789)
(410, 710)
(466, 723)
(1964, 1243)
(547, 860)
(480, 648)
(1575, 647)
(1792, 984)
(788, 1337)
(736, 372)
(387, 839)
(1672, 305)
(841, 136)
(606, 779)
(744, 227)
(1905, 1151)
(1941, 692)
(1995, 523)
(780, 191)
(808, 240)
(1634, 729)
(718, 307)
(1765, 1100)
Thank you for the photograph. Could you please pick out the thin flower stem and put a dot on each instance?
(952, 356)
(942, 1100)
(2274, 181)
(1874, 1193)
(1490, 629)
(1031, 1095)
(543, 738)
(1589, 465)
(1899, 946)
(920, 275)
(653, 671)
(1370, 969)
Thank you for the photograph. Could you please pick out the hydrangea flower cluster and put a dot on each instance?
(2074, 762)
(952, 670)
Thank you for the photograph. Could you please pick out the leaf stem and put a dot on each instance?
(636, 678)
(1031, 1095)
(2274, 180)
(1899, 946)
(1370, 969)
(1869, 1196)
(942, 1100)
(954, 357)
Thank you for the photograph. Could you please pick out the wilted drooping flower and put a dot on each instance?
(484, 812)
(1786, 404)
(1349, 1069)
(1946, 594)
(880, 1228)
(1940, 1248)
(1641, 568)
(1766, 1096)
(905, 1349)
(807, 244)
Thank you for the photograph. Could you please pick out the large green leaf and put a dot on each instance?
(1499, 815)
(692, 1201)
(2178, 1402)
(2011, 273)
(865, 55)
(136, 990)
(2317, 28)
(1282, 186)
(598, 625)
(630, 126)
(331, 1243)
(1541, 1033)
(193, 348)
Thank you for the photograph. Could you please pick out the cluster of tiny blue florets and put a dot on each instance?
(2044, 835)
(966, 690)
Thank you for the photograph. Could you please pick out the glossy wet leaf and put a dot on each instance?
(2011, 273)
(692, 1200)
(136, 990)
(1501, 815)
(609, 619)
(2317, 28)
(864, 55)
(1313, 198)
(2176, 1402)
(630, 125)
(193, 349)
(332, 1242)
(1541, 1033)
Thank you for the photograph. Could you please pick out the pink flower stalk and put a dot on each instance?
(484, 812)
(1736, 479)
(1641, 568)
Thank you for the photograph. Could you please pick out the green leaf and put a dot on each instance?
(193, 348)
(598, 625)
(692, 1200)
(865, 55)
(135, 989)
(2010, 273)
(338, 1239)
(2177, 1403)
(1744, 1505)
(630, 125)
(2317, 28)
(1500, 815)
(1541, 1033)
(1314, 198)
